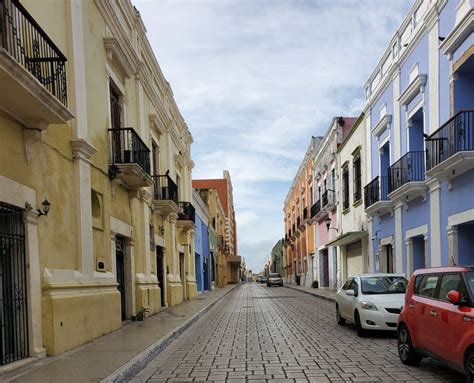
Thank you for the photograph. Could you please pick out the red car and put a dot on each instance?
(437, 319)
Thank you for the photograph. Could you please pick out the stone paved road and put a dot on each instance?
(260, 334)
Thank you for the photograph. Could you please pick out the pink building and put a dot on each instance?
(324, 210)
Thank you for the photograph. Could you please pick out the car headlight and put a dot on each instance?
(368, 306)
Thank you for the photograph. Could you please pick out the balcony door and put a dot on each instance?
(416, 141)
(160, 272)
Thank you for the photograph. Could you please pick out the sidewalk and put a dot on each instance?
(328, 295)
(115, 355)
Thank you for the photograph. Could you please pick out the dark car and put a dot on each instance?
(263, 279)
(274, 279)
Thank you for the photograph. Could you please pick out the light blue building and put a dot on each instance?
(201, 244)
(420, 127)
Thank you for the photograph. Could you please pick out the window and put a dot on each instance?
(428, 286)
(354, 286)
(155, 152)
(347, 284)
(115, 107)
(152, 237)
(357, 177)
(451, 282)
(345, 187)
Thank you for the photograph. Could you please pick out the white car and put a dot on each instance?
(371, 301)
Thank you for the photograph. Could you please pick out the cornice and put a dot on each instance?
(116, 55)
(383, 124)
(82, 149)
(415, 87)
(462, 30)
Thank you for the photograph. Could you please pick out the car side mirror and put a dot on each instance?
(454, 297)
(350, 293)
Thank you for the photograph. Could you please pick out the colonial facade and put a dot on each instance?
(224, 190)
(299, 233)
(201, 244)
(96, 217)
(324, 210)
(278, 261)
(351, 230)
(420, 128)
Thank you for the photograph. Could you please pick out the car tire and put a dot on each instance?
(360, 330)
(268, 285)
(340, 320)
(406, 351)
(469, 367)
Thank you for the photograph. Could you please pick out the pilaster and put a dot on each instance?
(398, 239)
(435, 223)
(409, 250)
(453, 242)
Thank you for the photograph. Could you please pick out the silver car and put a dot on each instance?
(274, 279)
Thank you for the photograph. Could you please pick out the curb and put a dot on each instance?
(139, 361)
(326, 298)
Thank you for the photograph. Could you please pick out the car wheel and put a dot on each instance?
(340, 320)
(406, 351)
(470, 367)
(358, 324)
(268, 285)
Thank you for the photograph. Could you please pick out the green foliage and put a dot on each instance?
(140, 315)
(315, 284)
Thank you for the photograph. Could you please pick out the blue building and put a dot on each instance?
(420, 128)
(201, 244)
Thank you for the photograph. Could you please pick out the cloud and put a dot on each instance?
(255, 79)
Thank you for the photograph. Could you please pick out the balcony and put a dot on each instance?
(32, 70)
(376, 197)
(406, 178)
(186, 215)
(165, 195)
(316, 208)
(450, 150)
(305, 215)
(130, 159)
(328, 200)
(234, 259)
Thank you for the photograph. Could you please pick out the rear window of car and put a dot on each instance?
(427, 285)
(274, 275)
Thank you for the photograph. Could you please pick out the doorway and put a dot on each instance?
(160, 273)
(120, 264)
(418, 252)
(325, 268)
(13, 286)
(386, 259)
(181, 268)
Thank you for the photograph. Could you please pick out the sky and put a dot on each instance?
(255, 79)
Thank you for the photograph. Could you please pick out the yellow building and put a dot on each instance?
(88, 122)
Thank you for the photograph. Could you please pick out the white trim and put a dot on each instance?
(386, 241)
(384, 123)
(460, 218)
(415, 109)
(435, 223)
(416, 86)
(417, 231)
(398, 254)
(120, 227)
(16, 194)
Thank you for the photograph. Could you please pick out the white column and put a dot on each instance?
(396, 119)
(113, 256)
(453, 242)
(82, 151)
(34, 285)
(370, 252)
(435, 224)
(146, 215)
(427, 253)
(398, 253)
(129, 264)
(171, 244)
(409, 249)
(433, 76)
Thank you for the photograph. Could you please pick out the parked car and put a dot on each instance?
(438, 318)
(263, 279)
(371, 301)
(274, 279)
(258, 279)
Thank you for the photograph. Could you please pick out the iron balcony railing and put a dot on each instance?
(305, 213)
(316, 208)
(23, 38)
(456, 135)
(409, 168)
(164, 188)
(376, 190)
(186, 212)
(128, 148)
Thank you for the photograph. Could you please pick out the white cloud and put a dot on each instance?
(255, 79)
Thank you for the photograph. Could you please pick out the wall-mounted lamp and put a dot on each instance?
(161, 229)
(45, 208)
(328, 224)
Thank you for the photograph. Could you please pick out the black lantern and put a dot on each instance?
(328, 222)
(45, 208)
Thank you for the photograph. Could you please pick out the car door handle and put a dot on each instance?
(466, 318)
(433, 313)
(411, 306)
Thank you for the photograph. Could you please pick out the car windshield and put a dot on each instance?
(274, 275)
(384, 285)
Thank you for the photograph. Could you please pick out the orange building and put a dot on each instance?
(225, 192)
(299, 232)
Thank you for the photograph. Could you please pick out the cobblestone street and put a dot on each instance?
(261, 334)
